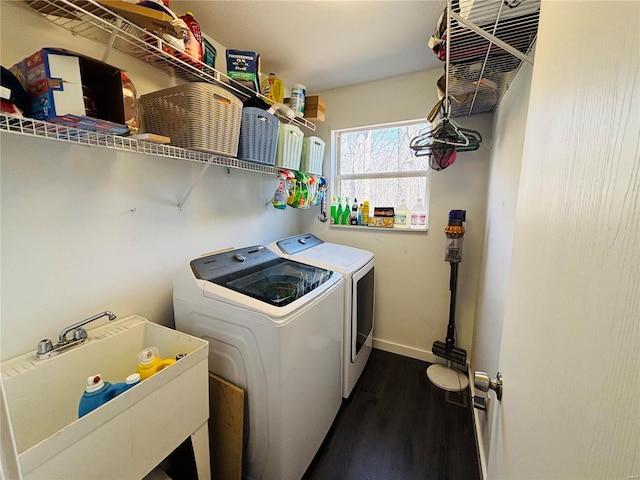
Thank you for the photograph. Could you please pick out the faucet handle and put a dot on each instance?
(44, 346)
(79, 334)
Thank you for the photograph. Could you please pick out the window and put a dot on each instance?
(376, 163)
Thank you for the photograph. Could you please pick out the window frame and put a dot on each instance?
(337, 178)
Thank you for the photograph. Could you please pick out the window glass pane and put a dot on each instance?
(384, 192)
(381, 150)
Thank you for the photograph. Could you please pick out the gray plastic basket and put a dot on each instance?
(197, 115)
(258, 136)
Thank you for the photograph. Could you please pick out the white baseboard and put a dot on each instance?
(406, 351)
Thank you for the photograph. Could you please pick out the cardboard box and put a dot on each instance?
(386, 222)
(59, 82)
(314, 109)
(244, 67)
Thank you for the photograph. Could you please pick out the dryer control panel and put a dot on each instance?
(298, 243)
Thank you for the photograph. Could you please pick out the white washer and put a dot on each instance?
(357, 268)
(274, 328)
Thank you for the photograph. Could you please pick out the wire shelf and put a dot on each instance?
(51, 131)
(482, 62)
(96, 22)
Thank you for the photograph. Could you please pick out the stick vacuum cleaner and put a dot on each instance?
(441, 376)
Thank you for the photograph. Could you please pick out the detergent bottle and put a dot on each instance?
(149, 362)
(273, 88)
(98, 392)
(192, 37)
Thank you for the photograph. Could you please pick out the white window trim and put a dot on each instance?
(336, 179)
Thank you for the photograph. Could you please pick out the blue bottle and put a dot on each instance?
(97, 392)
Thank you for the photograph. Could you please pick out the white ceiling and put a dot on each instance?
(324, 44)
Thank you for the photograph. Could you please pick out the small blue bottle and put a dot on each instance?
(98, 392)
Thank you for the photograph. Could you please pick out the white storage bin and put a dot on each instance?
(289, 150)
(312, 155)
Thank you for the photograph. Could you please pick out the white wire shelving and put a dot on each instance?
(52, 131)
(486, 41)
(96, 22)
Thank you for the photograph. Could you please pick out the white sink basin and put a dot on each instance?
(124, 438)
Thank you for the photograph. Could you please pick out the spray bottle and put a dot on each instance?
(279, 199)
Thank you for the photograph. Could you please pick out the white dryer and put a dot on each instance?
(357, 268)
(274, 328)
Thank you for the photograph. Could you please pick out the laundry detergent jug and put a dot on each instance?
(98, 392)
(149, 362)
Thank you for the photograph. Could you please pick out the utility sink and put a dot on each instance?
(124, 438)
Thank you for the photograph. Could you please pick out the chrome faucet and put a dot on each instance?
(46, 349)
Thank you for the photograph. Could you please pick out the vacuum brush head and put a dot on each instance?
(454, 354)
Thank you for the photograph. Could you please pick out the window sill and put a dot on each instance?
(379, 229)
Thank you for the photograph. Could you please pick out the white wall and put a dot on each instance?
(504, 178)
(412, 278)
(71, 245)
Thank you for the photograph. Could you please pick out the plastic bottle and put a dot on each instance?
(365, 213)
(419, 215)
(149, 362)
(273, 88)
(298, 92)
(402, 217)
(98, 392)
(279, 199)
(353, 218)
(360, 208)
(334, 210)
(344, 220)
(339, 212)
(192, 37)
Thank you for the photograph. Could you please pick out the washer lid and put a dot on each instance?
(260, 274)
(340, 258)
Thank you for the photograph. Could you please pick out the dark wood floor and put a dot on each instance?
(397, 425)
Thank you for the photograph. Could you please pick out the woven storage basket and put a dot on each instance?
(197, 115)
(258, 136)
(312, 155)
(289, 146)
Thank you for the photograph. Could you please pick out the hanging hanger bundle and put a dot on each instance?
(444, 138)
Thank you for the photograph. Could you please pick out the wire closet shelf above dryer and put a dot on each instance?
(483, 44)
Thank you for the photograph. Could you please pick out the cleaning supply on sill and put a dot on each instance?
(338, 219)
(360, 208)
(353, 218)
(365, 213)
(149, 362)
(273, 88)
(346, 211)
(402, 215)
(98, 392)
(419, 215)
(334, 210)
